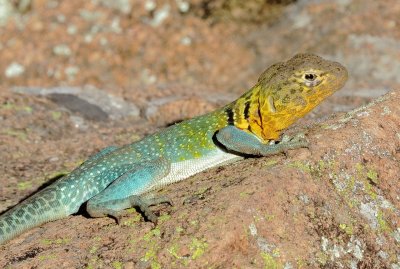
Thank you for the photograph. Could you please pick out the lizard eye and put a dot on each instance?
(310, 76)
(311, 79)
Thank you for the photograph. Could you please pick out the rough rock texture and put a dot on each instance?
(336, 204)
(131, 67)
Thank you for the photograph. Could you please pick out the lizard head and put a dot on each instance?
(288, 90)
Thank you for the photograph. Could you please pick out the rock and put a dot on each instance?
(160, 15)
(124, 6)
(6, 10)
(80, 106)
(169, 110)
(62, 50)
(14, 70)
(335, 204)
(255, 213)
(111, 106)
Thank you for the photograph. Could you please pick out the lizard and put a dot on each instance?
(117, 178)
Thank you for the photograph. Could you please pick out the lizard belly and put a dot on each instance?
(184, 169)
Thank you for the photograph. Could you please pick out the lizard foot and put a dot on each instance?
(297, 141)
(143, 203)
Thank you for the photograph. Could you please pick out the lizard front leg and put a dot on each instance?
(126, 191)
(239, 141)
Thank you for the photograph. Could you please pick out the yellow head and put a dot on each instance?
(286, 91)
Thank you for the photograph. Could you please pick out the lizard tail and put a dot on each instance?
(40, 208)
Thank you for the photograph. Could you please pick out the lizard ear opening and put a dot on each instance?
(271, 104)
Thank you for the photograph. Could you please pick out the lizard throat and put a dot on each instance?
(245, 113)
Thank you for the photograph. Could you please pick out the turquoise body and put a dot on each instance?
(190, 139)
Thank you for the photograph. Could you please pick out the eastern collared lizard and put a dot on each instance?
(117, 178)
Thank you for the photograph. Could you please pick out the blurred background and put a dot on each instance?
(191, 55)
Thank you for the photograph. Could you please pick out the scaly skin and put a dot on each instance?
(117, 178)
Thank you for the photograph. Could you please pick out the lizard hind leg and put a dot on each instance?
(126, 191)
